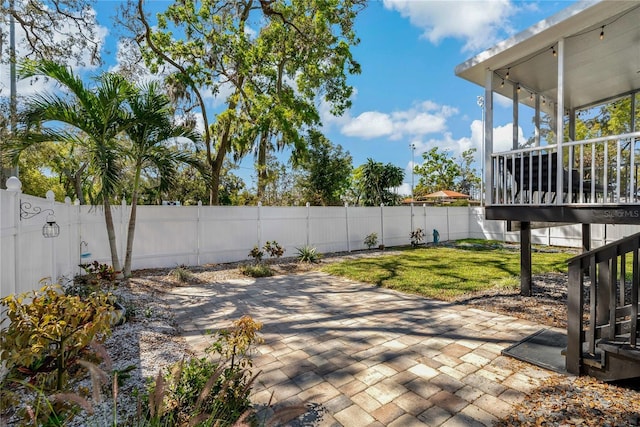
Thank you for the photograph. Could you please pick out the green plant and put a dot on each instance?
(100, 271)
(308, 254)
(257, 270)
(256, 254)
(274, 249)
(181, 274)
(417, 237)
(371, 240)
(208, 389)
(50, 331)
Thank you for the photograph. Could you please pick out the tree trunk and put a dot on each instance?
(111, 234)
(131, 229)
(262, 165)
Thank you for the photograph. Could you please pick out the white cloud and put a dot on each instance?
(478, 23)
(370, 124)
(503, 138)
(425, 118)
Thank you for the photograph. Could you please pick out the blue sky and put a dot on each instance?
(407, 92)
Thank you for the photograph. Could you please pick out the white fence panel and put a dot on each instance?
(363, 221)
(328, 228)
(167, 236)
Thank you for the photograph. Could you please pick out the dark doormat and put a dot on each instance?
(544, 349)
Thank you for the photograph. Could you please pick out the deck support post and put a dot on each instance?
(525, 258)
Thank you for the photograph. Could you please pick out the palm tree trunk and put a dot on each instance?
(131, 229)
(111, 234)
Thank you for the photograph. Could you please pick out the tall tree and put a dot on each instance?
(149, 135)
(326, 171)
(274, 59)
(62, 30)
(469, 180)
(96, 116)
(438, 171)
(377, 181)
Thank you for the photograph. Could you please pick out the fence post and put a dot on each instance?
(51, 198)
(382, 224)
(123, 232)
(259, 225)
(410, 231)
(198, 233)
(424, 213)
(70, 253)
(346, 215)
(15, 186)
(79, 241)
(308, 220)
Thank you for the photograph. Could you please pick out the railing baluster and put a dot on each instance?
(623, 278)
(633, 333)
(605, 171)
(581, 199)
(618, 169)
(593, 302)
(613, 273)
(593, 173)
(570, 177)
(633, 197)
(539, 163)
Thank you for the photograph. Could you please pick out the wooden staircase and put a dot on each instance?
(603, 335)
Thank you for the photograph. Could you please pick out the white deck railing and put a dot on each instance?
(598, 171)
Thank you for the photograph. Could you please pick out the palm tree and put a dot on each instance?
(148, 148)
(94, 119)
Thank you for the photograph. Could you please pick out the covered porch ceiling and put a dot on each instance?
(595, 68)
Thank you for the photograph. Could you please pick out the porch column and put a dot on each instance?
(488, 138)
(525, 259)
(560, 122)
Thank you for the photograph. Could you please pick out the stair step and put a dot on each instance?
(620, 348)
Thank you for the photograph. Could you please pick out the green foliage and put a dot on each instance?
(451, 272)
(100, 271)
(417, 236)
(371, 240)
(48, 331)
(181, 274)
(274, 249)
(256, 254)
(438, 171)
(210, 389)
(308, 254)
(327, 171)
(374, 181)
(256, 270)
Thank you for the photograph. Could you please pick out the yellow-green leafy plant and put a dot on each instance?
(274, 249)
(371, 240)
(50, 331)
(212, 390)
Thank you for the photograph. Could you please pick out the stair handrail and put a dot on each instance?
(588, 261)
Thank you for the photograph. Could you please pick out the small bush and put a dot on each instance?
(371, 240)
(256, 254)
(417, 237)
(202, 390)
(101, 271)
(257, 270)
(181, 274)
(49, 331)
(308, 254)
(274, 249)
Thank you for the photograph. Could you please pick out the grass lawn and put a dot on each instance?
(445, 272)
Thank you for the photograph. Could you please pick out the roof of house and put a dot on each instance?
(595, 67)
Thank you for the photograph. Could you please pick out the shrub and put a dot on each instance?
(49, 331)
(371, 240)
(417, 237)
(101, 271)
(256, 254)
(181, 274)
(274, 249)
(257, 270)
(203, 389)
(308, 254)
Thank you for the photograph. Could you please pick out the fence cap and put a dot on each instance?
(14, 184)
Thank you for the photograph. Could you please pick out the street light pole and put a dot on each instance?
(480, 101)
(413, 148)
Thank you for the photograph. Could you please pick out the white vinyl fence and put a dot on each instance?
(168, 236)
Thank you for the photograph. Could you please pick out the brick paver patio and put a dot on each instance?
(361, 355)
